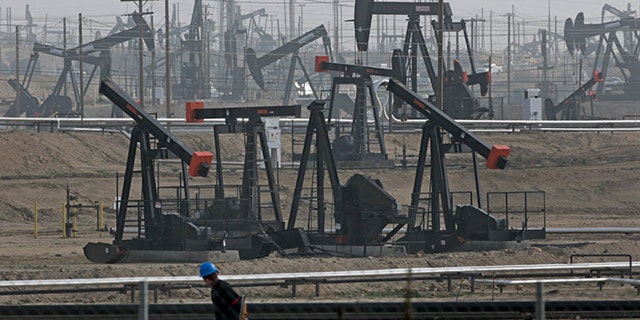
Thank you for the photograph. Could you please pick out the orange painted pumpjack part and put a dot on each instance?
(318, 63)
(497, 151)
(200, 163)
(191, 106)
(598, 76)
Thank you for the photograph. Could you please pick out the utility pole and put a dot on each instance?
(474, 34)
(18, 62)
(81, 68)
(140, 55)
(490, 32)
(508, 58)
(64, 45)
(153, 71)
(140, 60)
(439, 33)
(482, 47)
(167, 68)
(524, 39)
(18, 54)
(301, 28)
(292, 19)
(336, 25)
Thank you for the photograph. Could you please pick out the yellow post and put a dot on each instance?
(35, 219)
(101, 219)
(64, 222)
(74, 230)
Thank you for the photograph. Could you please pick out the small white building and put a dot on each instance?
(532, 105)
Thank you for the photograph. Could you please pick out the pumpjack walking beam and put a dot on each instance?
(146, 127)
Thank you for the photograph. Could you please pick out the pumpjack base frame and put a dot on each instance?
(98, 252)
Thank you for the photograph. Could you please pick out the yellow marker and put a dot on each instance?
(35, 219)
(74, 231)
(64, 222)
(101, 219)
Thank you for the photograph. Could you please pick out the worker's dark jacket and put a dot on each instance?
(226, 301)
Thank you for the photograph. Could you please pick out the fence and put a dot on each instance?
(544, 274)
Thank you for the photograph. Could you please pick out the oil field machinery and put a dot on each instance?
(241, 214)
(362, 145)
(190, 226)
(467, 223)
(569, 108)
(457, 97)
(256, 65)
(96, 53)
(362, 209)
(576, 33)
(157, 230)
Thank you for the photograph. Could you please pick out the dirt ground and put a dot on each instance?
(589, 179)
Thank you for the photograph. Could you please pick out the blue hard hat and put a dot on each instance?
(207, 269)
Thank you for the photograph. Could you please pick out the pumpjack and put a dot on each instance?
(256, 65)
(192, 226)
(96, 53)
(354, 148)
(570, 106)
(467, 223)
(193, 80)
(236, 38)
(247, 221)
(458, 99)
(25, 102)
(576, 33)
(362, 208)
(157, 231)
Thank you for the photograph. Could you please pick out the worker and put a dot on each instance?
(228, 304)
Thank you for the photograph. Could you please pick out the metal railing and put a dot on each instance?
(317, 278)
(287, 124)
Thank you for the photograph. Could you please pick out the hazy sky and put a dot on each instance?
(532, 13)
